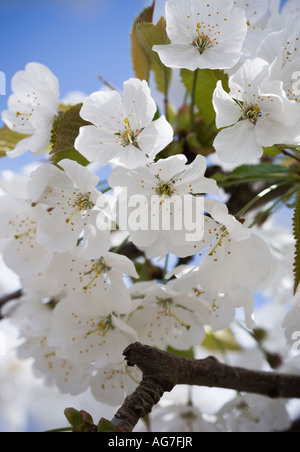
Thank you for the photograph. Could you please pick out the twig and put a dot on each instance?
(109, 85)
(12, 296)
(162, 371)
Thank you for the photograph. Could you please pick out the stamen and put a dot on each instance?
(202, 42)
(165, 189)
(104, 325)
(22, 235)
(83, 203)
(130, 136)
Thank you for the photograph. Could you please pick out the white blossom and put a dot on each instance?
(18, 226)
(203, 35)
(32, 107)
(101, 276)
(123, 131)
(71, 197)
(220, 307)
(291, 324)
(87, 330)
(236, 258)
(114, 382)
(166, 193)
(166, 317)
(34, 319)
(255, 114)
(180, 418)
(252, 413)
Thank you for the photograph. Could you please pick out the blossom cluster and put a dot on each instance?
(83, 300)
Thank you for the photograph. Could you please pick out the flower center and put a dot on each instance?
(82, 202)
(98, 268)
(129, 136)
(202, 42)
(165, 189)
(252, 112)
(166, 304)
(103, 326)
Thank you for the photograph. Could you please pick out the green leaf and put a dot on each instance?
(206, 84)
(66, 129)
(252, 173)
(106, 426)
(149, 35)
(273, 151)
(9, 139)
(296, 229)
(221, 341)
(70, 154)
(74, 417)
(184, 353)
(140, 58)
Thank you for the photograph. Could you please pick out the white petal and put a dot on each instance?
(97, 145)
(55, 234)
(178, 56)
(235, 264)
(139, 106)
(124, 328)
(121, 263)
(156, 137)
(104, 109)
(44, 178)
(83, 179)
(238, 144)
(227, 110)
(35, 143)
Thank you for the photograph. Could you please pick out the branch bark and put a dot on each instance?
(12, 296)
(162, 371)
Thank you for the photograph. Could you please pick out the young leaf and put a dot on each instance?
(184, 353)
(149, 35)
(206, 84)
(64, 133)
(9, 139)
(222, 340)
(70, 154)
(296, 228)
(140, 59)
(74, 417)
(252, 173)
(272, 151)
(106, 426)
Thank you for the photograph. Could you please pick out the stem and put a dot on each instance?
(60, 430)
(165, 271)
(118, 248)
(258, 198)
(289, 154)
(271, 209)
(166, 97)
(194, 89)
(106, 83)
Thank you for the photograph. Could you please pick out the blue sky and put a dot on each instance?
(76, 39)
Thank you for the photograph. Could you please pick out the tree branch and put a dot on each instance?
(162, 371)
(12, 296)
